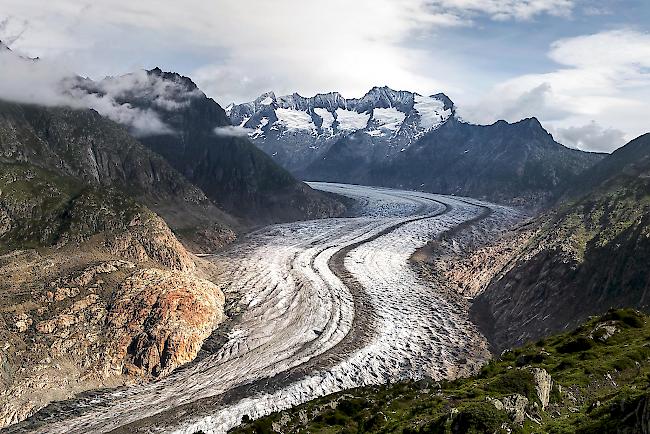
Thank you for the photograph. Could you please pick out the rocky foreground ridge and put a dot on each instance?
(591, 379)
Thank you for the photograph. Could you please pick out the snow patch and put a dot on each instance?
(328, 118)
(267, 101)
(295, 119)
(350, 120)
(388, 118)
(432, 111)
(259, 131)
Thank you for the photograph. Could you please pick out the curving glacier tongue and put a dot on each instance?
(327, 304)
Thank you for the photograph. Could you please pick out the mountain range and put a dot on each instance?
(297, 131)
(406, 140)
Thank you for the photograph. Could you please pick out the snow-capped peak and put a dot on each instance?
(386, 117)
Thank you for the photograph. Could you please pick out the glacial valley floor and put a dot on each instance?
(325, 305)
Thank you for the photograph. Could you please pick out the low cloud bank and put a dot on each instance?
(232, 131)
(43, 82)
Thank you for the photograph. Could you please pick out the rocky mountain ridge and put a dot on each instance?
(84, 145)
(404, 140)
(193, 137)
(296, 130)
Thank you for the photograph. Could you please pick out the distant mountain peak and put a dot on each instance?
(297, 128)
(174, 77)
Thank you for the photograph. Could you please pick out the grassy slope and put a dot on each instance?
(40, 208)
(600, 385)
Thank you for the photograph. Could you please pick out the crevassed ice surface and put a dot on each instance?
(295, 119)
(388, 118)
(296, 311)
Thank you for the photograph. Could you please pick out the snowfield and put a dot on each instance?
(349, 120)
(432, 112)
(295, 119)
(326, 305)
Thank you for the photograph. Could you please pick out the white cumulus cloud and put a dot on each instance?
(602, 77)
(49, 83)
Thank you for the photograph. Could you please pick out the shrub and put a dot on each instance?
(576, 345)
(626, 316)
(350, 407)
(333, 417)
(481, 417)
(514, 381)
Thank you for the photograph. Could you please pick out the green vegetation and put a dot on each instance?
(39, 208)
(600, 376)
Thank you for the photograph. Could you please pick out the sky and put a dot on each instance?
(581, 67)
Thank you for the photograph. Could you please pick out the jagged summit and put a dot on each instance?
(296, 130)
(174, 77)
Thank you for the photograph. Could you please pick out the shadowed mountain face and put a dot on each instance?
(198, 142)
(95, 151)
(590, 254)
(404, 140)
(502, 162)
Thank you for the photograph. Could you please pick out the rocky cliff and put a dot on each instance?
(96, 291)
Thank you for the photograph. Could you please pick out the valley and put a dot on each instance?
(323, 305)
(450, 233)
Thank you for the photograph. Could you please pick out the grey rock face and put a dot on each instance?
(543, 385)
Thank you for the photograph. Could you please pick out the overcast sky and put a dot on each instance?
(582, 67)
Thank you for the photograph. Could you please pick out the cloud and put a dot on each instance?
(591, 137)
(536, 102)
(250, 46)
(165, 94)
(232, 131)
(507, 9)
(49, 83)
(604, 77)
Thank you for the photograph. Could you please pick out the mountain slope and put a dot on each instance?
(591, 380)
(499, 162)
(504, 162)
(197, 141)
(96, 291)
(96, 151)
(589, 254)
